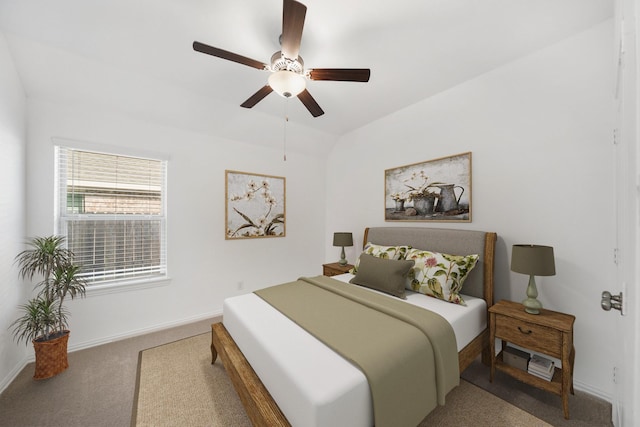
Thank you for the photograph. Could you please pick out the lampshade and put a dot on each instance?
(287, 83)
(535, 260)
(342, 239)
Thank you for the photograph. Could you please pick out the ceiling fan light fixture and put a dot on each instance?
(287, 83)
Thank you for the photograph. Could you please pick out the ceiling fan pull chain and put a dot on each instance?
(286, 120)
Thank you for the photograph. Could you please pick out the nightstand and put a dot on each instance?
(549, 332)
(335, 268)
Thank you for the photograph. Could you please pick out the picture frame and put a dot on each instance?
(437, 190)
(255, 205)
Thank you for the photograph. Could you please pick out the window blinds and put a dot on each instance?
(112, 211)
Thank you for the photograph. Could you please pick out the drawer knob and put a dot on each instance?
(528, 331)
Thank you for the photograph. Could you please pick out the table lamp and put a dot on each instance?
(342, 239)
(534, 260)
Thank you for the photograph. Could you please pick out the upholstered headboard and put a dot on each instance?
(449, 241)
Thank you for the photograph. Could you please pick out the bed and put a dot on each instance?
(265, 371)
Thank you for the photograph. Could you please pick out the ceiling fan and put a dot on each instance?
(288, 75)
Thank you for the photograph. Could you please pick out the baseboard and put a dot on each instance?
(14, 372)
(580, 386)
(143, 331)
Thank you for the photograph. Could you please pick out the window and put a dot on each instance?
(112, 209)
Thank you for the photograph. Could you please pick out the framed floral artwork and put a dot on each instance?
(436, 190)
(254, 205)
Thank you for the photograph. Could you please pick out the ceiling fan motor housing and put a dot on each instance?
(279, 62)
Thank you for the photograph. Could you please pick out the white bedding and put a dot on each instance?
(313, 385)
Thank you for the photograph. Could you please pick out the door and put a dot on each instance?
(626, 336)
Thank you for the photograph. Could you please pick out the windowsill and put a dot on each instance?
(125, 286)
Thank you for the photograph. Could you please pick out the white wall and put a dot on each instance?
(204, 267)
(12, 209)
(539, 130)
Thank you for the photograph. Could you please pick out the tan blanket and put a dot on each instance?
(407, 353)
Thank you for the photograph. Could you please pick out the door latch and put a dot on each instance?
(611, 301)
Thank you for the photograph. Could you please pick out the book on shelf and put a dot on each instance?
(541, 367)
(543, 372)
(540, 363)
(540, 370)
(546, 377)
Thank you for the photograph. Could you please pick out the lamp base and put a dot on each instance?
(531, 304)
(343, 258)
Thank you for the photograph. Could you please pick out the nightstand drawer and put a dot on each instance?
(529, 335)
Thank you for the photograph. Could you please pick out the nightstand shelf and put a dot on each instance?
(553, 386)
(334, 268)
(549, 333)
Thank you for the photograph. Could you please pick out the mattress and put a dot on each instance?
(313, 385)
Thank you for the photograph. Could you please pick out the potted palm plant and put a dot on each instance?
(44, 320)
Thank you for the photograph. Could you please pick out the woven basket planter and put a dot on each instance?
(51, 357)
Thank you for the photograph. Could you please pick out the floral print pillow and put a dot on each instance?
(379, 251)
(439, 275)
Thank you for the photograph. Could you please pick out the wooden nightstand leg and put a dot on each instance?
(214, 352)
(572, 359)
(492, 345)
(567, 385)
(567, 378)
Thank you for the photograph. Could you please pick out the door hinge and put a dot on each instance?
(615, 256)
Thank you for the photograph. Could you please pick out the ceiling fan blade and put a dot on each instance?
(341, 74)
(293, 14)
(230, 56)
(257, 97)
(310, 103)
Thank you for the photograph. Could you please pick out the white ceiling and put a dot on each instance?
(136, 55)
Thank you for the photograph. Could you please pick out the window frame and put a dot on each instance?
(64, 217)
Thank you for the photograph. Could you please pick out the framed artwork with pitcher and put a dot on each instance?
(437, 190)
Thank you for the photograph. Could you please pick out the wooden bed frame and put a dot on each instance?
(260, 406)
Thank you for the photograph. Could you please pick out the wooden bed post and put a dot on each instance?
(489, 260)
(214, 352)
(256, 399)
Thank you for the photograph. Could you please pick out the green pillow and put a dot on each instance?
(380, 251)
(383, 274)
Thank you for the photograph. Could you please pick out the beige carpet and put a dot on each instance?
(178, 386)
